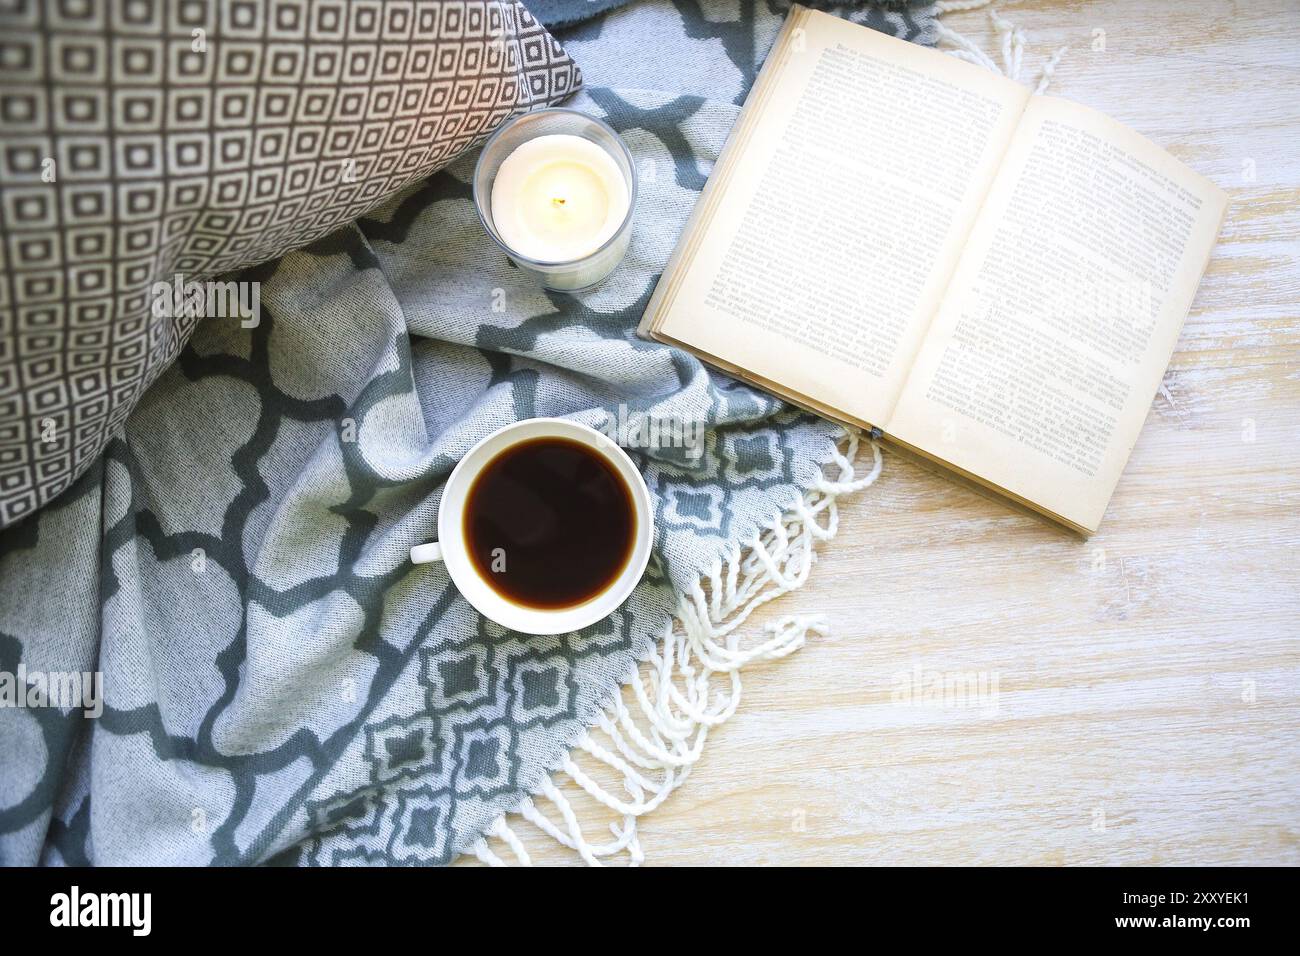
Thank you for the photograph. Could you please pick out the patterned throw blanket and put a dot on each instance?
(268, 677)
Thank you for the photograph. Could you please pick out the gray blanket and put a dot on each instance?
(279, 683)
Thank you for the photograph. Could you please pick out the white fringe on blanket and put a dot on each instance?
(654, 730)
(648, 745)
(1011, 40)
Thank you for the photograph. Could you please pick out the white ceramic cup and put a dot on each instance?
(451, 549)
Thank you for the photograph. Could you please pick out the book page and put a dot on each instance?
(834, 218)
(1059, 322)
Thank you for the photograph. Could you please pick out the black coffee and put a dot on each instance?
(549, 523)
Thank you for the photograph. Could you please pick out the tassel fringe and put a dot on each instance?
(1011, 43)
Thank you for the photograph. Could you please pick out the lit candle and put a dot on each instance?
(558, 198)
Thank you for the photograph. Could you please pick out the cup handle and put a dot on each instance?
(426, 553)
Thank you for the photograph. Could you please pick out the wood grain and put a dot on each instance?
(1147, 705)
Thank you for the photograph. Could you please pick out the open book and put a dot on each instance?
(901, 240)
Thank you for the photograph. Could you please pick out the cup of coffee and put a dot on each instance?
(545, 526)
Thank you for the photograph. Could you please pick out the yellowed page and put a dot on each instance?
(836, 213)
(1061, 317)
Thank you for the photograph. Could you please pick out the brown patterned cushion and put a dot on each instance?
(142, 140)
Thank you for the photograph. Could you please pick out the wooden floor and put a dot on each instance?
(1140, 695)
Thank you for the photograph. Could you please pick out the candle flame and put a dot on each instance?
(557, 201)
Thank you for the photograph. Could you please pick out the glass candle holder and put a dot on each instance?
(562, 275)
